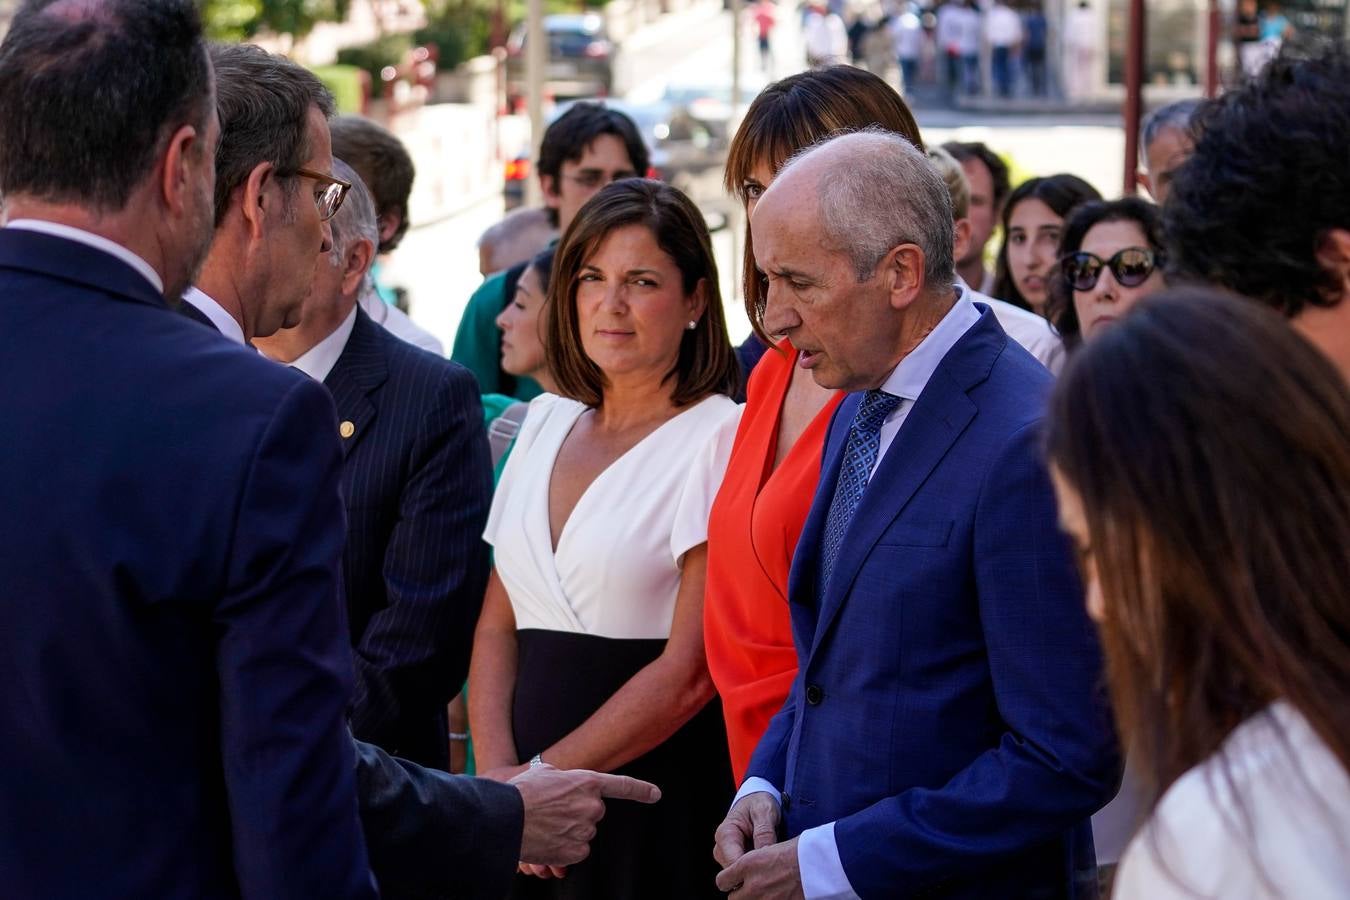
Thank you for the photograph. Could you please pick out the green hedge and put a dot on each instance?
(345, 83)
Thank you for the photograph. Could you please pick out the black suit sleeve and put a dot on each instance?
(436, 835)
(415, 651)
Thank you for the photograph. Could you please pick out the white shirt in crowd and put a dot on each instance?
(1081, 29)
(207, 306)
(907, 34)
(958, 28)
(1002, 26)
(1033, 332)
(396, 322)
(825, 38)
(318, 361)
(1267, 816)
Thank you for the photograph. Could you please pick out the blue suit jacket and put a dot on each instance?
(173, 652)
(417, 480)
(947, 713)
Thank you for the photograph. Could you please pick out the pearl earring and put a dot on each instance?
(692, 325)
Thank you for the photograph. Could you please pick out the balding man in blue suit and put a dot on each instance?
(945, 735)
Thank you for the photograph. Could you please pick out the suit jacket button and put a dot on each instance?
(814, 694)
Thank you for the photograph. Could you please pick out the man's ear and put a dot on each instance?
(549, 185)
(176, 184)
(259, 201)
(1333, 255)
(388, 223)
(903, 270)
(358, 258)
(961, 244)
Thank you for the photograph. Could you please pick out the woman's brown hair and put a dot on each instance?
(792, 114)
(706, 363)
(1210, 447)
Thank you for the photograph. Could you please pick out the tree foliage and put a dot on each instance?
(235, 20)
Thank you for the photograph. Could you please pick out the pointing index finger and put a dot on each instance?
(622, 787)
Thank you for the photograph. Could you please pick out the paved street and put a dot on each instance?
(438, 262)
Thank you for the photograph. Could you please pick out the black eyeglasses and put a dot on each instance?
(328, 198)
(1131, 267)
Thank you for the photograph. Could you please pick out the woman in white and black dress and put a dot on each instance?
(589, 650)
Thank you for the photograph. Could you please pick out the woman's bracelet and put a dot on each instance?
(458, 736)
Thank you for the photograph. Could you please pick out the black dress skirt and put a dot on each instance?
(640, 852)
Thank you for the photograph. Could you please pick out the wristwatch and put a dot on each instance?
(537, 760)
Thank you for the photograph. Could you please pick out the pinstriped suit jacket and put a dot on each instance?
(417, 482)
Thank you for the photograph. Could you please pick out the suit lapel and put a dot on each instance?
(359, 371)
(939, 416)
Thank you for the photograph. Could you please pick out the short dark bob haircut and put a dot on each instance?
(1059, 307)
(798, 112)
(1269, 178)
(1059, 192)
(707, 363)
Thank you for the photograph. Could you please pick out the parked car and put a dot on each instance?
(580, 60)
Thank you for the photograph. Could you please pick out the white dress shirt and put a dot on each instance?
(318, 361)
(1033, 332)
(98, 242)
(823, 876)
(1267, 816)
(396, 322)
(1002, 26)
(207, 306)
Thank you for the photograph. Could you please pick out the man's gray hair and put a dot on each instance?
(355, 219)
(888, 194)
(1178, 115)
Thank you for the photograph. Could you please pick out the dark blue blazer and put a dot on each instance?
(947, 713)
(417, 481)
(172, 649)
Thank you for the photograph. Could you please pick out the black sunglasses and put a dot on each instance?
(1131, 267)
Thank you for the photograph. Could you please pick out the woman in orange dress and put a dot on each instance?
(775, 461)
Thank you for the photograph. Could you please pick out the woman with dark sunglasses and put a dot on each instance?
(1110, 258)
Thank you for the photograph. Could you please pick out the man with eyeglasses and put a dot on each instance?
(588, 146)
(417, 482)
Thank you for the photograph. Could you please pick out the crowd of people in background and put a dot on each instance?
(953, 579)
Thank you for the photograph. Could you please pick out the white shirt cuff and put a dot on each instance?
(754, 785)
(822, 871)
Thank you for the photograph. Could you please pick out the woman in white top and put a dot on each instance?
(1201, 452)
(589, 650)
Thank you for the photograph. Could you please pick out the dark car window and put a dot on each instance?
(569, 43)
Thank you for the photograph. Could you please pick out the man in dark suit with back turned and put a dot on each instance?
(175, 667)
(944, 736)
(417, 482)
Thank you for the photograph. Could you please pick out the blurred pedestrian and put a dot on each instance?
(589, 650)
(824, 36)
(987, 177)
(907, 36)
(416, 486)
(1082, 41)
(583, 150)
(1278, 233)
(931, 547)
(775, 461)
(1003, 34)
(765, 16)
(1247, 37)
(958, 40)
(1033, 221)
(1165, 142)
(1110, 258)
(387, 170)
(1201, 453)
(1036, 30)
(1033, 332)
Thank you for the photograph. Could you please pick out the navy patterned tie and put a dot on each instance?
(860, 455)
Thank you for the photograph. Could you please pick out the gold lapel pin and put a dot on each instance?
(346, 429)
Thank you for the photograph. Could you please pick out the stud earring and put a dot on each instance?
(692, 325)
